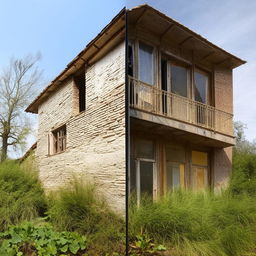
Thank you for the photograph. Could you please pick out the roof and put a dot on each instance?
(114, 33)
(27, 154)
(164, 26)
(110, 36)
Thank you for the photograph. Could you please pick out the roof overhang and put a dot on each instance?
(109, 37)
(174, 33)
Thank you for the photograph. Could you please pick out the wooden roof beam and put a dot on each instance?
(185, 40)
(109, 40)
(222, 61)
(207, 56)
(170, 28)
(141, 16)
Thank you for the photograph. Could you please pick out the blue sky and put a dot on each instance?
(60, 29)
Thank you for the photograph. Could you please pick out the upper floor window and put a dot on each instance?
(175, 78)
(59, 141)
(179, 80)
(201, 87)
(146, 64)
(130, 59)
(79, 92)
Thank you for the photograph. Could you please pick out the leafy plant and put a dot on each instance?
(143, 245)
(28, 239)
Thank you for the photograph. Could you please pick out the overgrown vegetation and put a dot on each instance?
(29, 239)
(21, 195)
(195, 224)
(76, 208)
(183, 223)
(80, 208)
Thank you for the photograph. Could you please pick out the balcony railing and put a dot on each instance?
(150, 99)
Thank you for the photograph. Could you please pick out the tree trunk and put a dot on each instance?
(4, 148)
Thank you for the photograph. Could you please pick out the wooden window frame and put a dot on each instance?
(209, 96)
(137, 60)
(58, 142)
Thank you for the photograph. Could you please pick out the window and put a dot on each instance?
(175, 167)
(201, 87)
(130, 59)
(199, 170)
(79, 92)
(142, 175)
(175, 78)
(179, 80)
(175, 175)
(59, 140)
(146, 64)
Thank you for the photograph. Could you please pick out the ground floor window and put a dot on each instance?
(175, 175)
(157, 168)
(175, 167)
(199, 170)
(142, 170)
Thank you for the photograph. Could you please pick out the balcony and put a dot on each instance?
(150, 99)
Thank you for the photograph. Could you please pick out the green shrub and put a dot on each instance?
(28, 239)
(21, 195)
(80, 208)
(201, 224)
(244, 174)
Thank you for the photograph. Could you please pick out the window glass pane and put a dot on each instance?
(175, 175)
(132, 176)
(146, 64)
(146, 178)
(130, 60)
(201, 87)
(179, 80)
(164, 75)
(145, 149)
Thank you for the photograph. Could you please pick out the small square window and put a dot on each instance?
(59, 140)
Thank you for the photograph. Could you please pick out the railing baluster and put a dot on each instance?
(148, 98)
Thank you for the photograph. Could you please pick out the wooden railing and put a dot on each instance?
(150, 99)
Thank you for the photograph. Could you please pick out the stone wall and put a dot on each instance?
(95, 137)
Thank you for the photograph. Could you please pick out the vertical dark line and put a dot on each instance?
(127, 137)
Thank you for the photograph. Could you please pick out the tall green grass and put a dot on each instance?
(199, 224)
(21, 195)
(79, 207)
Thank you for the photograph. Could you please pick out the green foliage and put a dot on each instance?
(195, 224)
(80, 208)
(21, 195)
(244, 173)
(28, 239)
(143, 245)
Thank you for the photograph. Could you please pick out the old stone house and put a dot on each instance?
(147, 102)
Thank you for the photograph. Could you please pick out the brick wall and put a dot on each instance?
(96, 137)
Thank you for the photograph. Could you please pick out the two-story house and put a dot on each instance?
(147, 88)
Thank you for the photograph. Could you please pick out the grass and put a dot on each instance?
(80, 208)
(21, 195)
(199, 224)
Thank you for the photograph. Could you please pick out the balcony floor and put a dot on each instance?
(179, 130)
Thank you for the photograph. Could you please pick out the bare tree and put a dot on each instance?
(17, 87)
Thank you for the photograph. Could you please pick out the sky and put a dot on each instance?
(60, 29)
